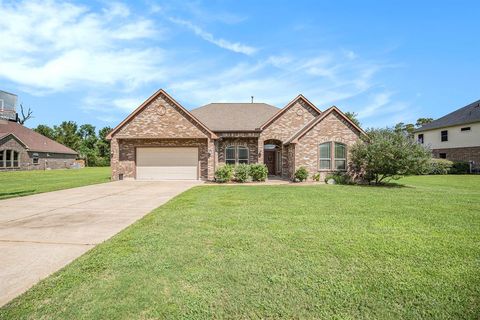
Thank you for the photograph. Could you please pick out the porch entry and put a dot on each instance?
(272, 156)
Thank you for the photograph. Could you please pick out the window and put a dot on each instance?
(442, 155)
(242, 154)
(15, 159)
(340, 157)
(420, 138)
(465, 129)
(9, 159)
(235, 155)
(325, 156)
(230, 155)
(444, 135)
(35, 158)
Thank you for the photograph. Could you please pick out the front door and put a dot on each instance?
(270, 161)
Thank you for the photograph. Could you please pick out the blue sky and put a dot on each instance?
(94, 62)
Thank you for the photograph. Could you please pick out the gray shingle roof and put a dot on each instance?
(234, 116)
(467, 114)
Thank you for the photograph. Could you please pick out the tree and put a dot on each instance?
(353, 116)
(67, 134)
(103, 146)
(45, 131)
(405, 128)
(421, 121)
(87, 144)
(24, 117)
(388, 154)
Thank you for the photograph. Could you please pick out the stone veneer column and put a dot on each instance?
(114, 158)
(211, 159)
(260, 150)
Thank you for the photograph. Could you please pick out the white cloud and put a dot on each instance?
(55, 45)
(225, 44)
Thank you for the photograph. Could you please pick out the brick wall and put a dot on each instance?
(459, 154)
(124, 153)
(160, 124)
(250, 143)
(284, 127)
(331, 128)
(161, 119)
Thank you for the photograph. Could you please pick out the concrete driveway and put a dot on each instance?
(40, 234)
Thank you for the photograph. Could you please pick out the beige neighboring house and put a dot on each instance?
(162, 140)
(455, 136)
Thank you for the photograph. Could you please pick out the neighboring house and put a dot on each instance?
(455, 136)
(24, 149)
(162, 140)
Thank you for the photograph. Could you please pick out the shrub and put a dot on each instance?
(339, 177)
(388, 154)
(224, 173)
(258, 172)
(460, 167)
(242, 172)
(439, 166)
(301, 174)
(316, 177)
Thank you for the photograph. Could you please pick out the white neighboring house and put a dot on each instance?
(455, 136)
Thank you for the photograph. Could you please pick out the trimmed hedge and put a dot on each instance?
(301, 174)
(439, 166)
(258, 172)
(241, 173)
(460, 167)
(224, 173)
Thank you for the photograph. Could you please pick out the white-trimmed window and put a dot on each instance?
(234, 155)
(242, 154)
(325, 156)
(340, 156)
(230, 155)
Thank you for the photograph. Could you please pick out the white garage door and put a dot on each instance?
(167, 163)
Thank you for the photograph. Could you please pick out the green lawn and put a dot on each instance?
(24, 183)
(323, 251)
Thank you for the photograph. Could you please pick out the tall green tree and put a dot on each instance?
(353, 116)
(45, 131)
(67, 134)
(421, 121)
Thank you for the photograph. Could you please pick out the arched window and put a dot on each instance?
(242, 154)
(230, 155)
(325, 156)
(340, 156)
(9, 159)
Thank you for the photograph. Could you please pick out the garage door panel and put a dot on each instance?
(167, 163)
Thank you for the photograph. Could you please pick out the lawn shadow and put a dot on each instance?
(6, 195)
(386, 185)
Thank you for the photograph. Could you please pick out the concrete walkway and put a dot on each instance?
(42, 233)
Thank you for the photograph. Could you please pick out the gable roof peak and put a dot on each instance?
(147, 103)
(288, 106)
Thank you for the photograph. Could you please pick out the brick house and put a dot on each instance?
(162, 140)
(24, 149)
(455, 136)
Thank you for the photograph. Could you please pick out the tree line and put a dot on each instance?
(84, 139)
